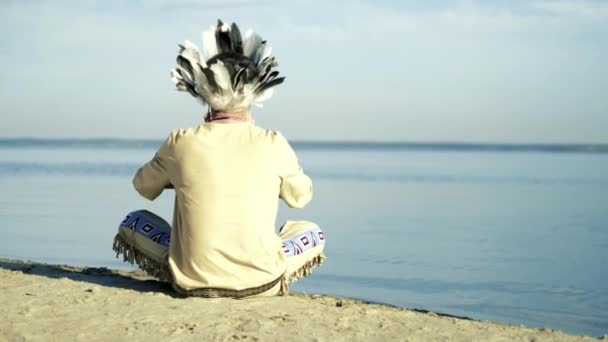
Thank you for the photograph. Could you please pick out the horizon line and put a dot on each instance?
(107, 142)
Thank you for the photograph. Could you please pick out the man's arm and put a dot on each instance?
(296, 187)
(153, 177)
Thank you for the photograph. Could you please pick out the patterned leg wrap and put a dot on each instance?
(132, 255)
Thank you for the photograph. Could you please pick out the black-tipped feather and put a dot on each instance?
(258, 53)
(237, 40)
(222, 39)
(265, 67)
(251, 74)
(244, 77)
(262, 87)
(230, 57)
(266, 64)
(189, 87)
(269, 77)
(184, 63)
(211, 79)
(231, 70)
(238, 78)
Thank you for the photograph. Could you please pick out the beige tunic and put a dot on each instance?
(227, 178)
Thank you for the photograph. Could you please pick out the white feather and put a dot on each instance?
(201, 60)
(259, 52)
(251, 44)
(199, 76)
(266, 52)
(248, 91)
(191, 52)
(209, 45)
(202, 83)
(222, 76)
(186, 77)
(267, 94)
(248, 34)
(227, 98)
(189, 44)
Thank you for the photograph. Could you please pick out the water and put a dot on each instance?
(516, 235)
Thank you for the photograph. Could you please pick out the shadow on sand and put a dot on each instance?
(139, 281)
(131, 280)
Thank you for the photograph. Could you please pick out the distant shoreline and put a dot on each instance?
(109, 143)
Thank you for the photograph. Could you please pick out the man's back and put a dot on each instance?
(227, 179)
(227, 175)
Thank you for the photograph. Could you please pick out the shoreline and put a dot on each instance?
(61, 302)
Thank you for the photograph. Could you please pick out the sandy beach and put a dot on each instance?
(63, 303)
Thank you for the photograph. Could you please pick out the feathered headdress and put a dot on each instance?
(232, 73)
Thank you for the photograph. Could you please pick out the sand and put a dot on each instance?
(40, 302)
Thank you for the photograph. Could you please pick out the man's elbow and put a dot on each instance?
(299, 200)
(299, 203)
(143, 190)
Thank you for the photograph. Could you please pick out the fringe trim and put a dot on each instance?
(302, 272)
(284, 289)
(161, 271)
(147, 264)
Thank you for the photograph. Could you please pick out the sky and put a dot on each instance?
(533, 71)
